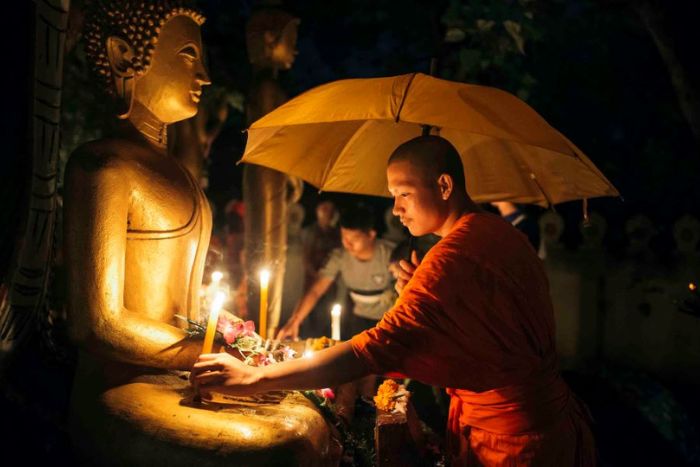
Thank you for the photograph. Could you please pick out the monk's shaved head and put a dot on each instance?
(433, 156)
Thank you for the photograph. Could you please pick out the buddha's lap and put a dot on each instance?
(152, 418)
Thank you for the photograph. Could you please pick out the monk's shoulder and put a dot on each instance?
(448, 259)
(487, 235)
(476, 242)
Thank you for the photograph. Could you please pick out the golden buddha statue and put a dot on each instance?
(137, 227)
(271, 36)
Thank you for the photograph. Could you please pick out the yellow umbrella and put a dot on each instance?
(339, 136)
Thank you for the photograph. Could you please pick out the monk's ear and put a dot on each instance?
(446, 186)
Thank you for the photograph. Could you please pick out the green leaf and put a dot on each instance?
(515, 31)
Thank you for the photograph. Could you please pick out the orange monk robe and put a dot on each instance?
(476, 318)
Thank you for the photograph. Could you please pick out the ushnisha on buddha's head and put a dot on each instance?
(148, 55)
(271, 39)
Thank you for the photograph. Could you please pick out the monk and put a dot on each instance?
(474, 316)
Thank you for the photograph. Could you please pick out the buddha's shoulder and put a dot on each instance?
(106, 155)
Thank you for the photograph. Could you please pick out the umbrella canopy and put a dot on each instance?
(339, 136)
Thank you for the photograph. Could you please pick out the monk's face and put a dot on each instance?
(417, 199)
(172, 86)
(358, 243)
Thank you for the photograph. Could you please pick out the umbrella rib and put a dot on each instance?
(533, 177)
(403, 98)
(326, 171)
(585, 161)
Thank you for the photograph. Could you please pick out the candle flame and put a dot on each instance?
(216, 276)
(692, 287)
(308, 353)
(264, 277)
(336, 310)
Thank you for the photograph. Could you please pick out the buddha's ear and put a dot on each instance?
(121, 56)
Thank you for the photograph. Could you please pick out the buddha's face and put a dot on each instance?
(172, 85)
(284, 50)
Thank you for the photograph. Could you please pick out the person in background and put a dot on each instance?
(363, 265)
(318, 241)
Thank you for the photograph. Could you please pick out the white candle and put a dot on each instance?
(264, 282)
(335, 322)
(216, 305)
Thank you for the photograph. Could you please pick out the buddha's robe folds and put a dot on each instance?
(476, 318)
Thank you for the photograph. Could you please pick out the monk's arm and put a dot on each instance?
(327, 368)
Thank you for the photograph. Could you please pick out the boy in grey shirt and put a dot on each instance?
(363, 264)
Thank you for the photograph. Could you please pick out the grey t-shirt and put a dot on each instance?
(370, 283)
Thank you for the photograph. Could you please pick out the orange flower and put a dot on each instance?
(385, 400)
(321, 343)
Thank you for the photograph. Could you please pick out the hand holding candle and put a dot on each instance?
(335, 322)
(264, 282)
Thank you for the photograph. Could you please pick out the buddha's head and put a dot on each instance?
(148, 54)
(271, 39)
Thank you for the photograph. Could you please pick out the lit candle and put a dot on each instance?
(335, 322)
(216, 305)
(264, 282)
(216, 277)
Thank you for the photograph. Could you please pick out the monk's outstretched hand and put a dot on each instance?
(406, 271)
(223, 373)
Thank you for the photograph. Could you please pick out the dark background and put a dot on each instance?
(592, 68)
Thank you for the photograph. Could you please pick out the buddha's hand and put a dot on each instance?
(224, 374)
(289, 330)
(405, 271)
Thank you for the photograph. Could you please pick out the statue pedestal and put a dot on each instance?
(149, 422)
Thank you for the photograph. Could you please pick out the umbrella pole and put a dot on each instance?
(433, 72)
